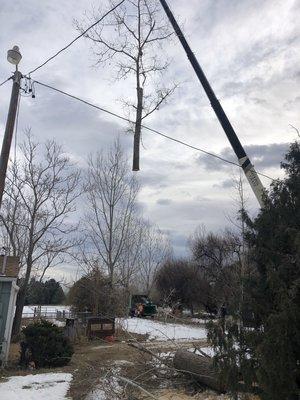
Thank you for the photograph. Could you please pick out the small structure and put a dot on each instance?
(100, 328)
(9, 270)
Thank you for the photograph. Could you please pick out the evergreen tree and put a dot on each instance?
(49, 292)
(35, 292)
(54, 293)
(261, 344)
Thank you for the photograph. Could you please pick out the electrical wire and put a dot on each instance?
(75, 39)
(144, 126)
(6, 80)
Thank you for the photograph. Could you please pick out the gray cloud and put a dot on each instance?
(79, 128)
(227, 183)
(179, 242)
(262, 156)
(154, 179)
(267, 156)
(164, 202)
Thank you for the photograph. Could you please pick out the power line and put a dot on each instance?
(6, 80)
(144, 126)
(74, 40)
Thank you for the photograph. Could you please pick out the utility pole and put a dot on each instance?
(243, 159)
(14, 57)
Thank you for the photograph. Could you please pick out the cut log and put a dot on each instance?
(200, 367)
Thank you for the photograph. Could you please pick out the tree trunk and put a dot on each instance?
(137, 131)
(200, 367)
(192, 310)
(21, 297)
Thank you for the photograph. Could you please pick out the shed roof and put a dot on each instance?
(9, 266)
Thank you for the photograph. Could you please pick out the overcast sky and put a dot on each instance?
(250, 52)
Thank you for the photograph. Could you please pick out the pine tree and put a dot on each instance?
(261, 345)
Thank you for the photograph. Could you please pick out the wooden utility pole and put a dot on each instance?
(9, 130)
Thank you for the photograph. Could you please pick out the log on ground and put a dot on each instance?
(200, 367)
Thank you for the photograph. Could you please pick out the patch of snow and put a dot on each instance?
(162, 331)
(52, 386)
(97, 394)
(166, 354)
(198, 321)
(56, 322)
(207, 350)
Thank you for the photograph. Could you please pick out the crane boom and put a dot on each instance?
(243, 159)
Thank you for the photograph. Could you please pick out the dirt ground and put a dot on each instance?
(94, 360)
(100, 364)
(172, 394)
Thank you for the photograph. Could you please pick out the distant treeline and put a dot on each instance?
(48, 292)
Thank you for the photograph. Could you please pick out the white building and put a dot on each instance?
(9, 269)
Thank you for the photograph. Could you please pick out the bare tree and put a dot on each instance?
(219, 257)
(40, 196)
(240, 200)
(111, 194)
(155, 250)
(182, 282)
(244, 267)
(214, 252)
(131, 258)
(132, 36)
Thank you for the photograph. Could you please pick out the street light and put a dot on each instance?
(14, 57)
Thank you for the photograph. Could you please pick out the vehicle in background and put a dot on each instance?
(141, 306)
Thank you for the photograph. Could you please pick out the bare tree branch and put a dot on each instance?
(132, 37)
(111, 194)
(41, 191)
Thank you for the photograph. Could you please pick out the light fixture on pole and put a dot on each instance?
(14, 57)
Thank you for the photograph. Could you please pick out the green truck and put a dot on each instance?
(141, 306)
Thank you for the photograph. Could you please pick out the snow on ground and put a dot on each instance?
(207, 350)
(199, 320)
(56, 322)
(162, 331)
(52, 386)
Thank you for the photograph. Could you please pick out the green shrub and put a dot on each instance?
(46, 345)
